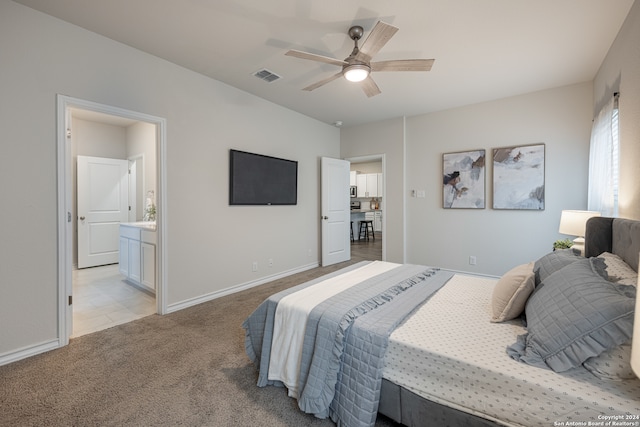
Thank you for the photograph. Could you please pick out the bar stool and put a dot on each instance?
(352, 239)
(365, 225)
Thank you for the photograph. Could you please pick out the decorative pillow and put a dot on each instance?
(575, 315)
(618, 270)
(554, 261)
(614, 364)
(511, 292)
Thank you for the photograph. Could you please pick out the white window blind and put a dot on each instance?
(604, 161)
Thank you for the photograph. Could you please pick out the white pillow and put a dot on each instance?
(618, 270)
(511, 292)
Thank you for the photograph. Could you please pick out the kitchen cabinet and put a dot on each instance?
(377, 221)
(353, 177)
(369, 184)
(138, 254)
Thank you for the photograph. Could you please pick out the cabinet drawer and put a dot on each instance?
(149, 237)
(130, 232)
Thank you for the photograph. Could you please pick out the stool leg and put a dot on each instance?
(351, 229)
(373, 234)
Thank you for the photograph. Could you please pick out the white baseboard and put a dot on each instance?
(34, 350)
(241, 287)
(25, 352)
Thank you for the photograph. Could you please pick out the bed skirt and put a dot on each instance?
(411, 410)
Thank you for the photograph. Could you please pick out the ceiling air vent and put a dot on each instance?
(266, 75)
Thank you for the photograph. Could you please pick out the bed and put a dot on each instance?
(426, 346)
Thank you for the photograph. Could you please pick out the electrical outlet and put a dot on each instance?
(421, 194)
(270, 262)
(472, 260)
(254, 266)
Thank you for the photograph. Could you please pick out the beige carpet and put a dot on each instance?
(183, 369)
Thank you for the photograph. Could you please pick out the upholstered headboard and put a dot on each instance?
(616, 235)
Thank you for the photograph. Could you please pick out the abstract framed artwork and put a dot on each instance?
(463, 180)
(518, 177)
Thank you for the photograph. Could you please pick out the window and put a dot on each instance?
(604, 161)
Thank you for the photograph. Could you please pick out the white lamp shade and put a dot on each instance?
(635, 343)
(574, 223)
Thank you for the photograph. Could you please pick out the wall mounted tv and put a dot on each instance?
(256, 179)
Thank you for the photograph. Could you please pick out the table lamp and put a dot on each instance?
(574, 223)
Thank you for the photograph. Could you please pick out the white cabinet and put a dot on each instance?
(352, 178)
(148, 264)
(377, 221)
(369, 184)
(138, 255)
(361, 182)
(372, 184)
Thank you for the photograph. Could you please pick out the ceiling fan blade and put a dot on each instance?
(323, 82)
(403, 65)
(314, 57)
(370, 87)
(378, 37)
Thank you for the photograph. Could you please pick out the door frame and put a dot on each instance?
(386, 207)
(65, 212)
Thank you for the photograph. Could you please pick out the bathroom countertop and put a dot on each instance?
(147, 225)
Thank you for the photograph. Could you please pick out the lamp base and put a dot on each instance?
(578, 245)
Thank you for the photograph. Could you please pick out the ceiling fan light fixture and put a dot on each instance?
(356, 72)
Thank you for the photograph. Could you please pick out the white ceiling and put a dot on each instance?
(484, 49)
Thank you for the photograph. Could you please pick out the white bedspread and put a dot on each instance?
(291, 317)
(449, 352)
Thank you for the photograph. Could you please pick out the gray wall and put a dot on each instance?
(559, 118)
(384, 137)
(620, 72)
(210, 245)
(499, 239)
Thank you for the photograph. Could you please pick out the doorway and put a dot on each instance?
(372, 203)
(77, 119)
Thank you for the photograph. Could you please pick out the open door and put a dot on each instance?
(335, 211)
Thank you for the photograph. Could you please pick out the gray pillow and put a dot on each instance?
(575, 315)
(552, 262)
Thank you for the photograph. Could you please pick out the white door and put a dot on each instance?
(335, 211)
(102, 205)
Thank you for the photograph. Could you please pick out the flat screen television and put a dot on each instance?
(256, 179)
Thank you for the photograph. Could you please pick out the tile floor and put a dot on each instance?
(102, 299)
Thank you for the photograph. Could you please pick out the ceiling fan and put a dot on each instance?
(358, 67)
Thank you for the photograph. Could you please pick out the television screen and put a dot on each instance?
(255, 179)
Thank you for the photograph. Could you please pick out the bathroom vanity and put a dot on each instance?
(138, 254)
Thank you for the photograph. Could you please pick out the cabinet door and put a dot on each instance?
(124, 257)
(148, 262)
(134, 260)
(361, 182)
(372, 185)
(353, 178)
(380, 185)
(377, 221)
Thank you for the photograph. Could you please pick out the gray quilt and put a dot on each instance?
(345, 341)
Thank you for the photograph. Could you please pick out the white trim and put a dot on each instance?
(64, 103)
(241, 287)
(30, 351)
